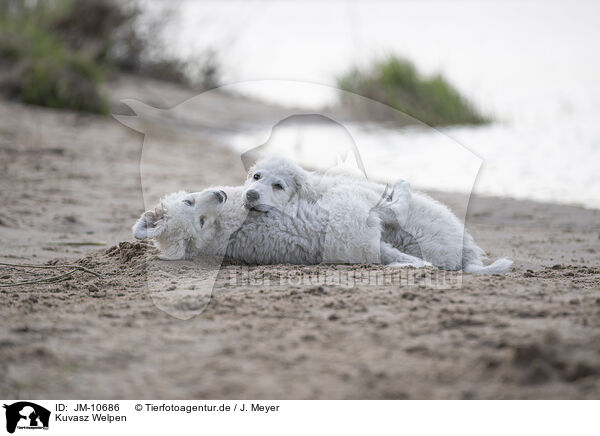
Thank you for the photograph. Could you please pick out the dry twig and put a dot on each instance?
(74, 268)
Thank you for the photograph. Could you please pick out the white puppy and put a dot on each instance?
(418, 226)
(177, 225)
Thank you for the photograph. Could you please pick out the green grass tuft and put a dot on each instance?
(397, 83)
(38, 69)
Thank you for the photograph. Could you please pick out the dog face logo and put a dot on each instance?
(26, 415)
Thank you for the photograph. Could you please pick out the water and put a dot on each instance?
(533, 66)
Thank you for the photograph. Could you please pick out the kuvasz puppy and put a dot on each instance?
(418, 226)
(177, 224)
(218, 222)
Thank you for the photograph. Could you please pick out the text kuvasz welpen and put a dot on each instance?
(284, 214)
(94, 417)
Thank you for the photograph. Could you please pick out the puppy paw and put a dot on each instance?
(416, 264)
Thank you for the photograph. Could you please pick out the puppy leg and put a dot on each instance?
(394, 257)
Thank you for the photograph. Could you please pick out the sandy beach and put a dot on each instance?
(68, 179)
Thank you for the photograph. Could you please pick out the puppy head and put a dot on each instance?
(206, 209)
(178, 220)
(275, 183)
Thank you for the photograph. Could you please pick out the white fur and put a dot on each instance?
(181, 222)
(294, 216)
(303, 232)
(418, 226)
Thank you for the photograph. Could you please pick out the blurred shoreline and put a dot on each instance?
(532, 67)
(542, 146)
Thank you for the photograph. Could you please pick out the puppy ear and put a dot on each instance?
(150, 225)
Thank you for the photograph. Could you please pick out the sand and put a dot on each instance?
(68, 178)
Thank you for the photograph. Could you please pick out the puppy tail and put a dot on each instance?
(500, 266)
(473, 257)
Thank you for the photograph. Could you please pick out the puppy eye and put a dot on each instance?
(278, 186)
(188, 202)
(256, 176)
(201, 219)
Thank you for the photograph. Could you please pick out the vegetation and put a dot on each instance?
(38, 69)
(57, 53)
(397, 83)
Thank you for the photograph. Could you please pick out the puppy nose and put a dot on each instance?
(252, 195)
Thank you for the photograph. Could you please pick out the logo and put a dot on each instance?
(26, 415)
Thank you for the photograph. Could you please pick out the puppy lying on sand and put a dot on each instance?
(413, 223)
